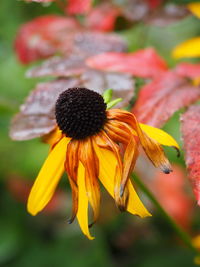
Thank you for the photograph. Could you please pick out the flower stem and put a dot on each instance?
(184, 236)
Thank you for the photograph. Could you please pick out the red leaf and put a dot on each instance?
(158, 100)
(102, 18)
(44, 36)
(170, 192)
(36, 117)
(188, 70)
(190, 122)
(143, 63)
(78, 6)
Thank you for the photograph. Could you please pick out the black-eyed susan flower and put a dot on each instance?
(94, 144)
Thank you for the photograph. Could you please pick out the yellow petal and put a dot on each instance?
(190, 48)
(194, 8)
(82, 214)
(48, 178)
(159, 135)
(107, 165)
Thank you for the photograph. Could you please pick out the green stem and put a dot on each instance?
(180, 232)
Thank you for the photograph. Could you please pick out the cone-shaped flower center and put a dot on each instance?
(80, 112)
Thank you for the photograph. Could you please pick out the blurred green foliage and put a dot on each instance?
(44, 241)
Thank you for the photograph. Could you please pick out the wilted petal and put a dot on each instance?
(82, 214)
(107, 165)
(91, 165)
(71, 166)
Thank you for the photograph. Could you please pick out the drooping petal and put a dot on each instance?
(71, 165)
(190, 48)
(122, 133)
(107, 169)
(103, 140)
(90, 162)
(130, 157)
(48, 178)
(82, 214)
(159, 135)
(116, 132)
(151, 147)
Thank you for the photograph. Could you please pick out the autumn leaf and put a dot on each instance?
(59, 67)
(34, 120)
(102, 17)
(189, 70)
(44, 36)
(159, 99)
(78, 6)
(84, 45)
(190, 128)
(143, 63)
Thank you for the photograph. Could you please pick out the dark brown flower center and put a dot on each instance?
(80, 112)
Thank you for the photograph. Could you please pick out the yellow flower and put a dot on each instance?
(189, 48)
(92, 144)
(194, 8)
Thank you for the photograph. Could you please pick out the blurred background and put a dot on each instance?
(120, 239)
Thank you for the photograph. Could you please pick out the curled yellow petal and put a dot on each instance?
(194, 8)
(190, 48)
(82, 214)
(107, 168)
(159, 135)
(91, 164)
(48, 178)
